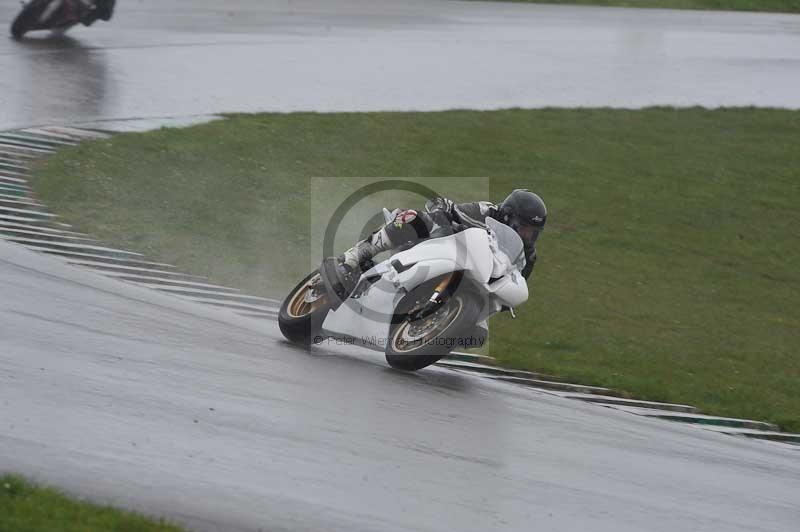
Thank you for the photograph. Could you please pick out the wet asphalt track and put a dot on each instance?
(142, 400)
(180, 57)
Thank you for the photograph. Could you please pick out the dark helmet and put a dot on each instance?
(526, 213)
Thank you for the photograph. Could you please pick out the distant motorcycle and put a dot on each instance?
(421, 303)
(58, 15)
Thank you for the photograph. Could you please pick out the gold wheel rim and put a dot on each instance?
(400, 345)
(300, 306)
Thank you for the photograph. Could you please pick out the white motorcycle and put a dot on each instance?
(419, 304)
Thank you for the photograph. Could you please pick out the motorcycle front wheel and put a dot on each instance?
(28, 18)
(416, 343)
(303, 311)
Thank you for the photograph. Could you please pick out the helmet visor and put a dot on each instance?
(527, 232)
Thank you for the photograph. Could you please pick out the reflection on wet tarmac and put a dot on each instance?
(76, 76)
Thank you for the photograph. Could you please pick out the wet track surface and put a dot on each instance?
(139, 399)
(196, 56)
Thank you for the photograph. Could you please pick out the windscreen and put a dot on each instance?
(508, 241)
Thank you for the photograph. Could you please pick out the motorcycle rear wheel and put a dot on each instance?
(303, 311)
(415, 344)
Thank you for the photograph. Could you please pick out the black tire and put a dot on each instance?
(299, 326)
(457, 328)
(27, 18)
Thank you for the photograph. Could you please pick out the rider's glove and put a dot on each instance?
(439, 211)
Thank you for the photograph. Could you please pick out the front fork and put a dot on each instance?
(435, 301)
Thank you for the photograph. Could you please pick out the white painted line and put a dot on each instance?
(20, 171)
(38, 144)
(21, 191)
(163, 281)
(20, 218)
(100, 258)
(226, 304)
(23, 232)
(14, 174)
(25, 146)
(104, 267)
(18, 200)
(15, 187)
(697, 418)
(555, 385)
(69, 245)
(22, 158)
(11, 179)
(22, 137)
(29, 146)
(27, 212)
(75, 132)
(761, 434)
(12, 158)
(11, 146)
(53, 135)
(610, 400)
(11, 190)
(14, 183)
(211, 294)
(57, 232)
(492, 370)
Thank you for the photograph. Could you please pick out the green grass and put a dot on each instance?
(785, 6)
(669, 267)
(25, 507)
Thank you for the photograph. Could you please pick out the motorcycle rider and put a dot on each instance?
(89, 11)
(522, 210)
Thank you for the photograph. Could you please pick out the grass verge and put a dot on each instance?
(25, 507)
(781, 6)
(668, 268)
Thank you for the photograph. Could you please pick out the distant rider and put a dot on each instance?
(522, 210)
(89, 11)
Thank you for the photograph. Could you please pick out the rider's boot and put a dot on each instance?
(341, 273)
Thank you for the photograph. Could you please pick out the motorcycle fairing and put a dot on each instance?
(367, 318)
